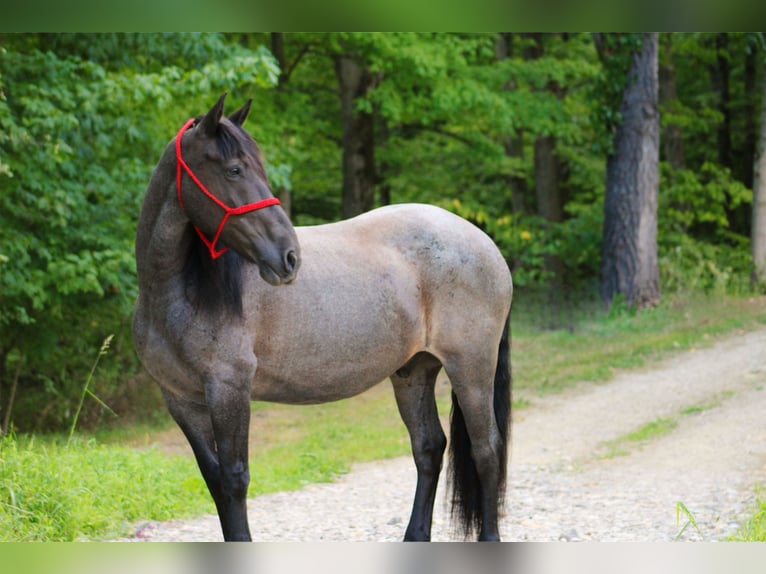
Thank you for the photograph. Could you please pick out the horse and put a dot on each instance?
(235, 304)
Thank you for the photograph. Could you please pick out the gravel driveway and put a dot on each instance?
(561, 487)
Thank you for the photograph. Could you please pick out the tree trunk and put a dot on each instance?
(722, 83)
(381, 178)
(547, 179)
(751, 98)
(358, 138)
(672, 134)
(513, 144)
(548, 188)
(548, 194)
(629, 253)
(286, 201)
(758, 225)
(278, 51)
(7, 417)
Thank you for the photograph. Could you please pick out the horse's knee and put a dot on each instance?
(429, 454)
(487, 461)
(236, 480)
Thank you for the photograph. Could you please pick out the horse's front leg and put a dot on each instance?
(193, 418)
(229, 406)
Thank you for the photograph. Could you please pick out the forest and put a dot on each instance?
(617, 167)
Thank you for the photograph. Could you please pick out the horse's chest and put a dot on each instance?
(183, 356)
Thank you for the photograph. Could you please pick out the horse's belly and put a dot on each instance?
(321, 388)
(329, 365)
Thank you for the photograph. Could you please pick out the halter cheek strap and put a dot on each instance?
(228, 211)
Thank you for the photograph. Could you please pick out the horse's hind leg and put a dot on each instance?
(224, 469)
(414, 390)
(474, 432)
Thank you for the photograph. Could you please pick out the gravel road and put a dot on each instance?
(561, 486)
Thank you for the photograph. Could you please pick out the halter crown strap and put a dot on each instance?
(229, 211)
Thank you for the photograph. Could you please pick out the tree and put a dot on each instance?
(672, 133)
(629, 253)
(758, 232)
(721, 78)
(355, 83)
(513, 143)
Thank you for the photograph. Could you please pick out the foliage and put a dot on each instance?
(698, 251)
(698, 201)
(84, 117)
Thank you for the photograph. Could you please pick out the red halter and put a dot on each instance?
(229, 210)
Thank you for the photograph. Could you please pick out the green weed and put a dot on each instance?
(86, 392)
(754, 528)
(690, 520)
(711, 404)
(56, 490)
(650, 431)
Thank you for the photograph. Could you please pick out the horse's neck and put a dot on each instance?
(163, 235)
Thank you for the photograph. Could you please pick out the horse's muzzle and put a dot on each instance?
(281, 270)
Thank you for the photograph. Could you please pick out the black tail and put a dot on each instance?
(464, 479)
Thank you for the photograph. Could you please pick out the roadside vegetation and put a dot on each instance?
(754, 528)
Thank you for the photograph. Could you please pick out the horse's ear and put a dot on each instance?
(240, 115)
(209, 124)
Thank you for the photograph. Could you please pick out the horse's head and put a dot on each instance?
(223, 188)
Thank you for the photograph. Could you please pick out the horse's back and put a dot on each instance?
(448, 252)
(422, 233)
(461, 276)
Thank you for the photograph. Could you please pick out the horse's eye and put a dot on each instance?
(234, 171)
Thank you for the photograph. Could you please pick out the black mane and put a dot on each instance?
(213, 286)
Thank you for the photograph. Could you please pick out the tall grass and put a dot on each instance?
(754, 527)
(63, 490)
(87, 392)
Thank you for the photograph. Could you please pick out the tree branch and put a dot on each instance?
(441, 132)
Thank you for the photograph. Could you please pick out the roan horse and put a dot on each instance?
(399, 292)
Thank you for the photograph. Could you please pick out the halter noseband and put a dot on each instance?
(229, 211)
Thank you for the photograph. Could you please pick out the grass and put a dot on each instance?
(295, 445)
(54, 491)
(94, 488)
(661, 426)
(650, 431)
(711, 404)
(754, 528)
(595, 345)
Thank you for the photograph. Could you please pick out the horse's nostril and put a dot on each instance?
(291, 260)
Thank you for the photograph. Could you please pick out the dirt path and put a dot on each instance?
(561, 485)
